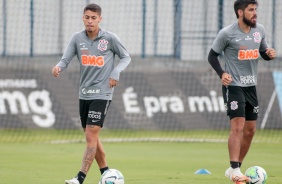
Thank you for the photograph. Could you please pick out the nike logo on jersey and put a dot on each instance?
(237, 40)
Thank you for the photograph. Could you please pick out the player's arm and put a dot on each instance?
(219, 44)
(124, 57)
(226, 78)
(266, 52)
(56, 71)
(214, 62)
(269, 54)
(69, 53)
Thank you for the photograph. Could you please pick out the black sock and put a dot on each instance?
(80, 177)
(234, 165)
(240, 164)
(102, 170)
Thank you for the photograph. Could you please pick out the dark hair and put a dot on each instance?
(93, 7)
(242, 4)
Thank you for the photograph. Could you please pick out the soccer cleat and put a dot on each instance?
(227, 172)
(239, 182)
(240, 179)
(236, 176)
(72, 181)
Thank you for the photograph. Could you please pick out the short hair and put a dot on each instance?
(242, 5)
(93, 7)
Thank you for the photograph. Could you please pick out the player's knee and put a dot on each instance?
(91, 138)
(237, 124)
(250, 132)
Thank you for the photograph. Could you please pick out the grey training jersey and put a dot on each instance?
(241, 52)
(96, 59)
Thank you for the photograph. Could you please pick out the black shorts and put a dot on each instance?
(241, 102)
(93, 112)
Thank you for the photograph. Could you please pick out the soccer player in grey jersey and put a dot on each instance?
(95, 50)
(242, 43)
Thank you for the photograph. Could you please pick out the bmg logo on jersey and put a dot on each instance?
(92, 60)
(248, 54)
(94, 115)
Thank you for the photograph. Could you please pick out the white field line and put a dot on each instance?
(157, 139)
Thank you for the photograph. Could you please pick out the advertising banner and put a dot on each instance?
(150, 100)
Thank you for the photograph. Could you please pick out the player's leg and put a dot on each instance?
(99, 112)
(234, 147)
(83, 111)
(248, 134)
(235, 104)
(252, 109)
(96, 116)
(93, 112)
(92, 137)
(235, 138)
(100, 157)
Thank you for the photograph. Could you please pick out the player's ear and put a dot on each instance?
(240, 13)
(100, 19)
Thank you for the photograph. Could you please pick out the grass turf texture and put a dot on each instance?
(140, 162)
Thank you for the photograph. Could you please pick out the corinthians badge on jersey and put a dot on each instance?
(102, 46)
(257, 37)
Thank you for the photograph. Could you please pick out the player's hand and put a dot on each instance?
(56, 71)
(226, 79)
(271, 53)
(113, 82)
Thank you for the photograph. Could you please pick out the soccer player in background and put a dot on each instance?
(241, 43)
(95, 50)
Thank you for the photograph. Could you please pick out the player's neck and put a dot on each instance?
(92, 34)
(244, 27)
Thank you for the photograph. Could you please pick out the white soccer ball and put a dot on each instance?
(112, 176)
(257, 175)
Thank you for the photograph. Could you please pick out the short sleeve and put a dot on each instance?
(220, 41)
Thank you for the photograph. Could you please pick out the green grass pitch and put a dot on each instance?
(140, 162)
